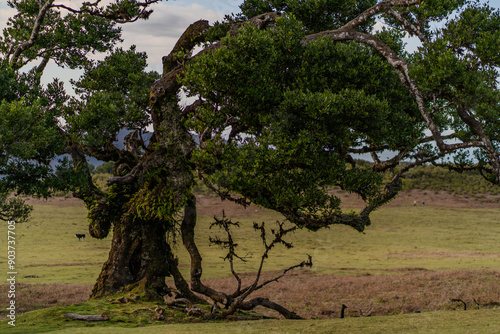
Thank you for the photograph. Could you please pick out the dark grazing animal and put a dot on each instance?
(80, 236)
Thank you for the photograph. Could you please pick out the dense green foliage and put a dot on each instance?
(293, 113)
(294, 106)
(104, 168)
(45, 133)
(32, 138)
(315, 16)
(428, 178)
(281, 146)
(14, 209)
(115, 97)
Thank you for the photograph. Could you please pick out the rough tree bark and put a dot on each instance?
(139, 254)
(149, 195)
(161, 179)
(149, 191)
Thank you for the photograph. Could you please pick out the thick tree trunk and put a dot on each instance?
(139, 256)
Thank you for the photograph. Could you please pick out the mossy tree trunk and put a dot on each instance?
(147, 193)
(139, 255)
(141, 206)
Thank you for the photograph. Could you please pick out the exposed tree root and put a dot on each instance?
(251, 304)
(187, 306)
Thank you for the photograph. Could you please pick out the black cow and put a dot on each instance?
(80, 236)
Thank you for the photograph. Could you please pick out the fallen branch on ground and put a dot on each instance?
(96, 317)
(189, 308)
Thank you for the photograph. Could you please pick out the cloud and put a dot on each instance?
(5, 14)
(158, 35)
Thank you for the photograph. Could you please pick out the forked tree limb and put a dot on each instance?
(236, 301)
(382, 7)
(409, 27)
(42, 12)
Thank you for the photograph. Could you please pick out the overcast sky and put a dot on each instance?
(158, 35)
(169, 20)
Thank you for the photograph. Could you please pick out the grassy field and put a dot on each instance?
(399, 237)
(403, 244)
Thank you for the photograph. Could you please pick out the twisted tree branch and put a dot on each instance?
(42, 12)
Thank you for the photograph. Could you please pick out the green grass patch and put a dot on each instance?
(399, 237)
(469, 183)
(450, 322)
(433, 238)
(121, 316)
(48, 251)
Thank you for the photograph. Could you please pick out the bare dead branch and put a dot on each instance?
(228, 244)
(278, 239)
(306, 263)
(118, 16)
(461, 301)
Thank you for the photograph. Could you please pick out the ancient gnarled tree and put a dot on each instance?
(285, 95)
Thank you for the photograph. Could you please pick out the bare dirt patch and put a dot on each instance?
(409, 291)
(442, 255)
(321, 296)
(31, 297)
(210, 205)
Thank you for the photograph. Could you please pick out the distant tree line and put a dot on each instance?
(440, 178)
(104, 168)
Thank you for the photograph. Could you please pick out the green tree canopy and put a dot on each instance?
(294, 113)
